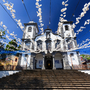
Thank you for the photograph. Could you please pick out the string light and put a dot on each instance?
(12, 11)
(63, 15)
(39, 15)
(85, 9)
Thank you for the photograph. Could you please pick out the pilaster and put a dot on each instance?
(43, 66)
(54, 62)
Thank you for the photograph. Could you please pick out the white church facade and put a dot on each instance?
(49, 50)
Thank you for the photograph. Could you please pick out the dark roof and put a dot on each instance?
(32, 24)
(67, 22)
(25, 39)
(47, 29)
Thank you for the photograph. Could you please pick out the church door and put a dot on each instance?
(48, 62)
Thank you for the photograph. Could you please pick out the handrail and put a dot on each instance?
(84, 67)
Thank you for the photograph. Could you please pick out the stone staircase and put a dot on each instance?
(46, 79)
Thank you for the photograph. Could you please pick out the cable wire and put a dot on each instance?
(26, 10)
(84, 34)
(10, 16)
(50, 14)
(75, 9)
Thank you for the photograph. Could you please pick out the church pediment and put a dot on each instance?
(48, 34)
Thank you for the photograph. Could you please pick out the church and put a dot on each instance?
(49, 50)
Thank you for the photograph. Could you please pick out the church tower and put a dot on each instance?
(30, 32)
(67, 33)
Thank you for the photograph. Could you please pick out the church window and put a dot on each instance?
(66, 27)
(15, 59)
(27, 44)
(26, 55)
(56, 61)
(70, 46)
(71, 54)
(39, 44)
(48, 35)
(57, 44)
(29, 29)
(40, 62)
(48, 45)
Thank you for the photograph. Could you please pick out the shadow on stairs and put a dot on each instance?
(46, 79)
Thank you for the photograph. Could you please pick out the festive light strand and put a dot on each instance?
(39, 15)
(62, 16)
(12, 34)
(12, 11)
(82, 27)
(85, 9)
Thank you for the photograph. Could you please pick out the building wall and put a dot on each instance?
(53, 38)
(69, 31)
(39, 61)
(25, 60)
(39, 58)
(30, 33)
(74, 58)
(58, 62)
(65, 61)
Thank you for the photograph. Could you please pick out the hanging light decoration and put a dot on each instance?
(12, 11)
(39, 14)
(85, 9)
(83, 27)
(63, 15)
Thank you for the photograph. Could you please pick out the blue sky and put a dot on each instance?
(56, 6)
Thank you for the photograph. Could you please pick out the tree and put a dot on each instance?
(2, 34)
(12, 45)
(2, 55)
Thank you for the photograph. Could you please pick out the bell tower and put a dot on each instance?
(30, 32)
(69, 35)
(65, 29)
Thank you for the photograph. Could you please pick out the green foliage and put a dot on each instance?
(2, 37)
(14, 47)
(85, 56)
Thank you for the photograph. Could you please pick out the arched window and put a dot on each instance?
(57, 44)
(48, 45)
(29, 29)
(66, 27)
(27, 43)
(48, 35)
(39, 44)
(15, 59)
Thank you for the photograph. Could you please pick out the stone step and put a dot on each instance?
(47, 79)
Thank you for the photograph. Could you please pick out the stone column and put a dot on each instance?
(43, 66)
(54, 62)
(43, 46)
(33, 62)
(23, 45)
(35, 46)
(52, 46)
